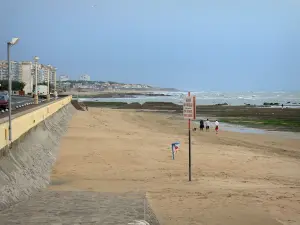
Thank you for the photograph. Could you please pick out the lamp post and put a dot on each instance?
(9, 45)
(54, 82)
(36, 97)
(48, 83)
(54, 78)
(78, 89)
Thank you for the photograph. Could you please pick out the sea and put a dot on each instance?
(288, 99)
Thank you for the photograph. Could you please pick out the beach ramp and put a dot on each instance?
(77, 105)
(81, 207)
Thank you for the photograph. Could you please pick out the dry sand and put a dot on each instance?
(238, 179)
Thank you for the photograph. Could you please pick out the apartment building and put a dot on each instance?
(40, 73)
(15, 70)
(53, 76)
(48, 71)
(25, 72)
(43, 71)
(26, 76)
(20, 71)
(85, 77)
(64, 78)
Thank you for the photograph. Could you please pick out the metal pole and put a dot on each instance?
(36, 77)
(9, 94)
(78, 89)
(48, 84)
(48, 81)
(190, 152)
(54, 79)
(31, 81)
(36, 97)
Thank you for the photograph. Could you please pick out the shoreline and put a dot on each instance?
(117, 94)
(266, 118)
(167, 96)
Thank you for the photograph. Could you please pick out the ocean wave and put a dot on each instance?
(209, 97)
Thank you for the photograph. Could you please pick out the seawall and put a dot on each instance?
(26, 166)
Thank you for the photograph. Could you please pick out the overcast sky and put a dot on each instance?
(232, 45)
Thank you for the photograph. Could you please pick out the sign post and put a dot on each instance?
(173, 152)
(189, 112)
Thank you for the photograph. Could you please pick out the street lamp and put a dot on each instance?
(48, 83)
(36, 97)
(78, 89)
(54, 78)
(54, 81)
(13, 42)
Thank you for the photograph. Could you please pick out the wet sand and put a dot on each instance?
(237, 178)
(267, 118)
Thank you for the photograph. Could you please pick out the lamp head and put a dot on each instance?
(14, 41)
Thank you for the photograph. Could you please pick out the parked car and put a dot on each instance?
(4, 101)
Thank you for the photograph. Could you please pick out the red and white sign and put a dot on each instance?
(189, 108)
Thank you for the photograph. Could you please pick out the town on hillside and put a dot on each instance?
(26, 74)
(84, 83)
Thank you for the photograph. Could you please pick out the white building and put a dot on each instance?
(40, 73)
(20, 71)
(15, 70)
(47, 72)
(25, 72)
(85, 77)
(64, 78)
(43, 72)
(26, 76)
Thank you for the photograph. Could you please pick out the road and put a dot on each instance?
(19, 101)
(20, 104)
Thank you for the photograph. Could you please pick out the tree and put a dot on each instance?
(4, 85)
(22, 85)
(15, 85)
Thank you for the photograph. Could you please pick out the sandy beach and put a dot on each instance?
(237, 179)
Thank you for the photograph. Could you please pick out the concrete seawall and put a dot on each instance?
(26, 167)
(23, 122)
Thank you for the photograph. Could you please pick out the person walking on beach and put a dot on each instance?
(201, 125)
(207, 125)
(217, 126)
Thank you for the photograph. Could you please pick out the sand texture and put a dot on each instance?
(238, 179)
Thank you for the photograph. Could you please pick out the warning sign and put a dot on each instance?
(189, 108)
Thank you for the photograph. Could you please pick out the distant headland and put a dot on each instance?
(109, 86)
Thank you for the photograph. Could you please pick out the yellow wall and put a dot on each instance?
(24, 123)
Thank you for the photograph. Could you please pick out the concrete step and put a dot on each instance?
(78, 105)
(80, 207)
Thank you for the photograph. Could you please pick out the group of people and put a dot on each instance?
(206, 124)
